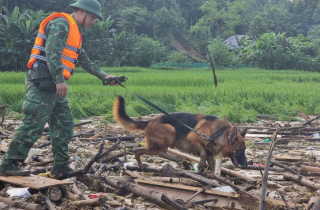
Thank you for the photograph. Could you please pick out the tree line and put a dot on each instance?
(281, 34)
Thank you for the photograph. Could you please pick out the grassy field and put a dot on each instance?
(241, 93)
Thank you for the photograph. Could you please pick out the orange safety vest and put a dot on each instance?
(70, 52)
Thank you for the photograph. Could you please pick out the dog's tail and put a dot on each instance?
(121, 117)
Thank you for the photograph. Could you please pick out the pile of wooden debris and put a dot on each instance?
(284, 172)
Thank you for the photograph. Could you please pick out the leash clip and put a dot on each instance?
(210, 139)
(205, 136)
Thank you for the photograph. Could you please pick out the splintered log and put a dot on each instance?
(217, 169)
(303, 181)
(124, 187)
(305, 168)
(222, 180)
(114, 147)
(171, 202)
(5, 206)
(50, 205)
(18, 203)
(226, 171)
(54, 193)
(223, 170)
(285, 167)
(266, 171)
(108, 159)
(310, 121)
(184, 181)
(198, 178)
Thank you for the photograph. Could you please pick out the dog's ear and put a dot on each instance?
(244, 132)
(233, 137)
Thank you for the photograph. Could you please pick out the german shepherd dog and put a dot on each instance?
(163, 132)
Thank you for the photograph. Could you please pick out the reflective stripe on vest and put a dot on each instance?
(70, 52)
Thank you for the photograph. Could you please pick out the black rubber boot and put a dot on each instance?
(11, 169)
(60, 173)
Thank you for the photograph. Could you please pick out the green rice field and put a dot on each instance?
(241, 93)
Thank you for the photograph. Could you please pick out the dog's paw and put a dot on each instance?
(202, 166)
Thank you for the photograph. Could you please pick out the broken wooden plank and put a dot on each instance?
(33, 181)
(188, 188)
(303, 115)
(180, 180)
(287, 158)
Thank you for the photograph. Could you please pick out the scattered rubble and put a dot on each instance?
(284, 171)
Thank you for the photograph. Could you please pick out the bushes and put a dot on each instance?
(143, 51)
(17, 34)
(220, 52)
(273, 51)
(178, 57)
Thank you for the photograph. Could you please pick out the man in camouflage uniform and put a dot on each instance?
(42, 106)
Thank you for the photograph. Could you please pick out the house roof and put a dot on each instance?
(232, 43)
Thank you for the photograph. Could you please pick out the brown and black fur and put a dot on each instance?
(163, 132)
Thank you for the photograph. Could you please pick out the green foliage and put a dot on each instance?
(220, 52)
(258, 27)
(273, 51)
(130, 18)
(17, 35)
(142, 51)
(219, 21)
(179, 57)
(195, 21)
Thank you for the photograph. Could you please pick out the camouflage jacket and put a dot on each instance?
(57, 32)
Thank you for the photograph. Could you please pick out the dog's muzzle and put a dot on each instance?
(239, 157)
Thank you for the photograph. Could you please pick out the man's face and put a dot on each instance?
(89, 21)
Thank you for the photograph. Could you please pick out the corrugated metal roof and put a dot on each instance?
(232, 41)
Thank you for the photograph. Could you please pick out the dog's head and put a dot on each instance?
(236, 147)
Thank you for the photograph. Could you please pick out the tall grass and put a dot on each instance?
(241, 94)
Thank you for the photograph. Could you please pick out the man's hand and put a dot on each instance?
(62, 90)
(113, 82)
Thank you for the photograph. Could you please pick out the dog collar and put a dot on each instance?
(214, 136)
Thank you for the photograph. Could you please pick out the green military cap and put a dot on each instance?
(92, 6)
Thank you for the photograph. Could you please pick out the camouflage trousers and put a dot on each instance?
(40, 107)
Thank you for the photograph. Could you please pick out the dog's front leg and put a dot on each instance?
(211, 162)
(137, 154)
(203, 157)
